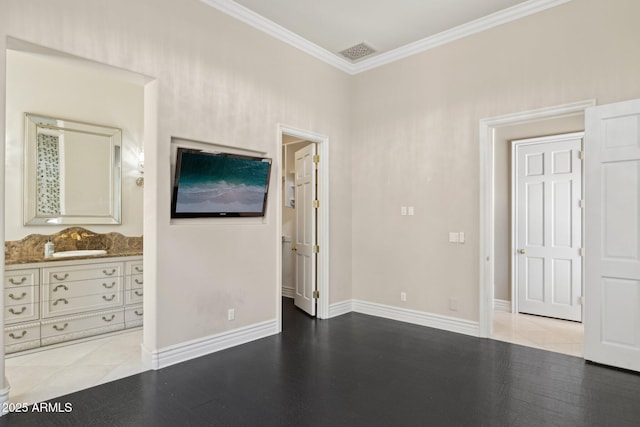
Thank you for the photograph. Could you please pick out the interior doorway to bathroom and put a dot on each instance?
(303, 220)
(59, 85)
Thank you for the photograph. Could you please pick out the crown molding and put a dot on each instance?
(261, 23)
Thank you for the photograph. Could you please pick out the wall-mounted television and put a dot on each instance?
(212, 184)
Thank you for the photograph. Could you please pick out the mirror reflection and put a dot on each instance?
(72, 172)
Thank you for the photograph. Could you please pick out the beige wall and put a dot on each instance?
(503, 136)
(416, 140)
(216, 80)
(76, 91)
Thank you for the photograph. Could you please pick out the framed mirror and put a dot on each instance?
(72, 172)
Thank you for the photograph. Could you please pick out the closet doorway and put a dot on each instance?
(304, 220)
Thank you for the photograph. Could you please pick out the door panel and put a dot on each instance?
(548, 226)
(612, 256)
(305, 194)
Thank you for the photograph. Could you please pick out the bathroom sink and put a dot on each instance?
(86, 252)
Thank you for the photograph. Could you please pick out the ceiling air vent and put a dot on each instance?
(357, 52)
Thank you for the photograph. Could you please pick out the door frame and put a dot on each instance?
(486, 158)
(322, 268)
(514, 208)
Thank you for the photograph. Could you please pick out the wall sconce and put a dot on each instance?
(140, 179)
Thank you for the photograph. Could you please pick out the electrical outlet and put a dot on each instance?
(453, 304)
(411, 210)
(231, 314)
(454, 237)
(403, 296)
(403, 210)
(461, 237)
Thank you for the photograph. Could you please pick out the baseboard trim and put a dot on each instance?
(502, 305)
(201, 347)
(431, 320)
(340, 308)
(288, 292)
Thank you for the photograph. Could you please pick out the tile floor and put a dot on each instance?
(58, 371)
(560, 336)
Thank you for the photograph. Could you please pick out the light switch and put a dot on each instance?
(453, 237)
(410, 210)
(403, 210)
(461, 237)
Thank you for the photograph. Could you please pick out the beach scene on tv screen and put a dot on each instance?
(218, 184)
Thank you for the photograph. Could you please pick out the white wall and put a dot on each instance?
(216, 80)
(416, 140)
(76, 91)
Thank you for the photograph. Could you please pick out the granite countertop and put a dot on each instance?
(31, 248)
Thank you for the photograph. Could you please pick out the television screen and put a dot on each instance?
(219, 184)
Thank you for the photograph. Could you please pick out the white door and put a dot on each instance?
(305, 243)
(612, 237)
(548, 226)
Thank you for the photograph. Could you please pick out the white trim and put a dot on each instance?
(265, 25)
(437, 321)
(261, 23)
(322, 284)
(202, 346)
(340, 308)
(502, 305)
(288, 292)
(486, 148)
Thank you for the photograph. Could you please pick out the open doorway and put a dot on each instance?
(86, 343)
(303, 220)
(499, 317)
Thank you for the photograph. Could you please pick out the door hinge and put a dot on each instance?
(581, 251)
(316, 294)
(316, 158)
(581, 155)
(581, 203)
(316, 204)
(316, 249)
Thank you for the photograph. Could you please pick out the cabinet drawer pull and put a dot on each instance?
(138, 269)
(60, 286)
(113, 316)
(15, 298)
(24, 332)
(113, 271)
(138, 313)
(59, 329)
(13, 282)
(12, 311)
(55, 276)
(109, 287)
(60, 300)
(138, 282)
(138, 293)
(107, 298)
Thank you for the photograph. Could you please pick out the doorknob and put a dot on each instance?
(294, 249)
(522, 251)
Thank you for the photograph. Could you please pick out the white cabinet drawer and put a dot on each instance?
(67, 274)
(134, 296)
(21, 337)
(26, 277)
(21, 304)
(133, 316)
(74, 327)
(89, 297)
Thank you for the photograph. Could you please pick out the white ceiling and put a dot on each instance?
(395, 28)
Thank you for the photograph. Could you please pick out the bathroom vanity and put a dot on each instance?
(52, 302)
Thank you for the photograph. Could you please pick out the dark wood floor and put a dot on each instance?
(358, 370)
